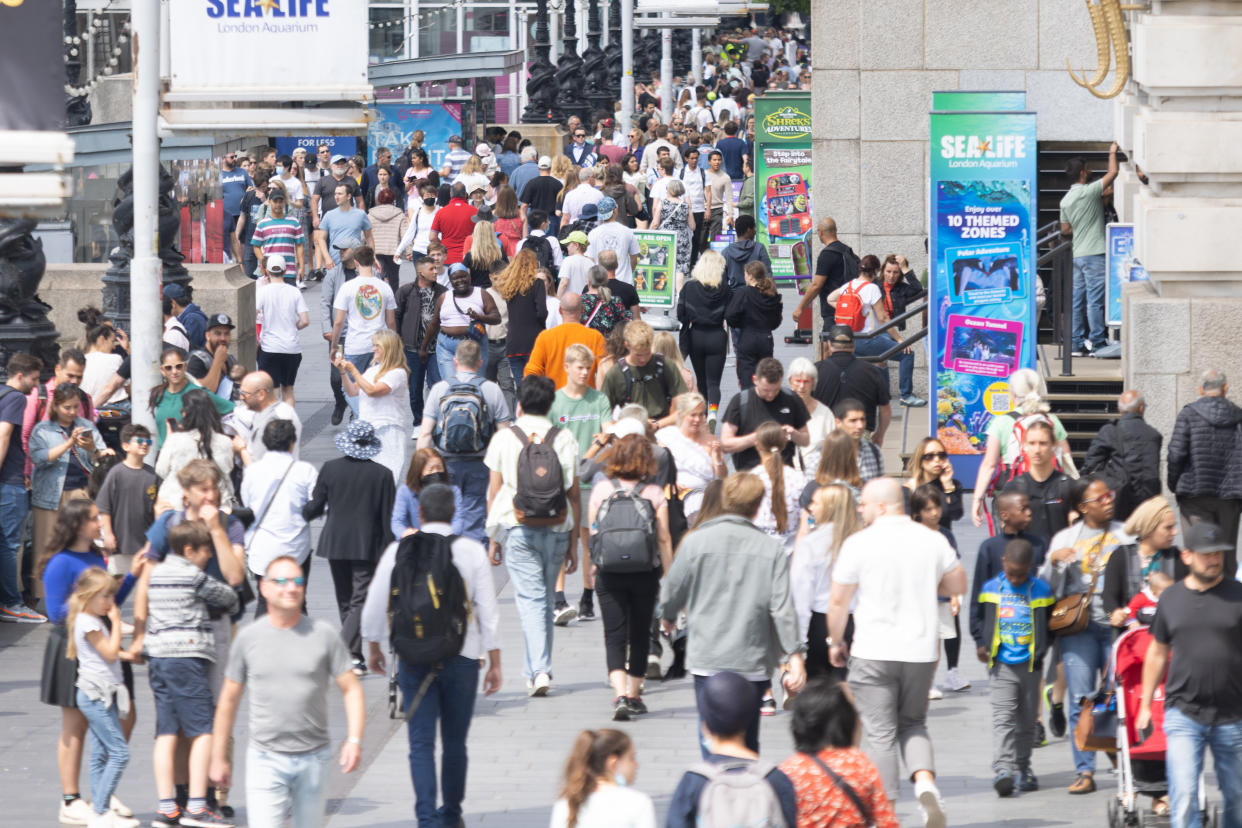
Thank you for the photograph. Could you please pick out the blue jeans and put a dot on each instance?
(362, 362)
(1089, 282)
(14, 505)
(109, 751)
(282, 785)
(471, 478)
(421, 372)
(446, 347)
(1085, 656)
(877, 345)
(1183, 760)
(517, 366)
(450, 700)
(533, 556)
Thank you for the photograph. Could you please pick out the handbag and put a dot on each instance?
(1097, 721)
(245, 593)
(1071, 614)
(845, 788)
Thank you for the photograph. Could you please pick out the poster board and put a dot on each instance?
(1120, 267)
(655, 275)
(395, 124)
(783, 222)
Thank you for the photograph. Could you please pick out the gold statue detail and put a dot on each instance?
(1110, 39)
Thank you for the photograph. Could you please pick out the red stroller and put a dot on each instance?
(1140, 759)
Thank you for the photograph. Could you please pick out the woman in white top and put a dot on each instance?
(597, 794)
(803, 375)
(199, 433)
(101, 362)
(421, 212)
(782, 485)
(695, 450)
(383, 399)
(833, 518)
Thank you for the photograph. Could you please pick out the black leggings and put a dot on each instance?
(391, 270)
(626, 603)
(953, 646)
(817, 663)
(708, 347)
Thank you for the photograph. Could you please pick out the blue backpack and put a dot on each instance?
(465, 426)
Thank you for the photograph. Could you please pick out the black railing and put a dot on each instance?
(1057, 253)
(903, 344)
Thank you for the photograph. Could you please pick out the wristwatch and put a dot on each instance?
(354, 740)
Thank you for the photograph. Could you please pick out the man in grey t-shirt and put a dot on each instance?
(288, 661)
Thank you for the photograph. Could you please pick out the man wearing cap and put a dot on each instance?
(453, 223)
(613, 235)
(540, 193)
(587, 192)
(324, 200)
(1200, 621)
(282, 312)
(526, 171)
(280, 235)
(580, 151)
(574, 266)
(190, 315)
(213, 366)
(344, 223)
(454, 159)
(843, 376)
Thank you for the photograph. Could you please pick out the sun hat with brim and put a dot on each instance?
(358, 441)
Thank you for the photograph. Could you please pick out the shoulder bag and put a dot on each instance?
(1071, 614)
(845, 788)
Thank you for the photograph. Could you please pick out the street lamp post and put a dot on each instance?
(612, 55)
(541, 87)
(595, 63)
(571, 84)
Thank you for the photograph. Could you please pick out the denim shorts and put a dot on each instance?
(183, 700)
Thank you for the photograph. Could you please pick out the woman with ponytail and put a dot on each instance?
(601, 768)
(782, 485)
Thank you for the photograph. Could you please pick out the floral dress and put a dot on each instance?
(608, 315)
(675, 216)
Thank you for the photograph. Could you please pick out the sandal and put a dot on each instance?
(1084, 784)
(1160, 806)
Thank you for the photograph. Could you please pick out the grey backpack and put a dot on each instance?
(737, 795)
(624, 539)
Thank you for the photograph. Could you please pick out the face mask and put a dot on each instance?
(434, 477)
(621, 780)
(280, 170)
(430, 202)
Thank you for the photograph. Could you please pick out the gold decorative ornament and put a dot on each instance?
(1109, 28)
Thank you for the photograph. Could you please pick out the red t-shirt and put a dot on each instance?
(454, 224)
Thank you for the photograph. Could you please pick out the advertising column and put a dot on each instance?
(783, 221)
(982, 263)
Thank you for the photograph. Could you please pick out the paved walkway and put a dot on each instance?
(518, 745)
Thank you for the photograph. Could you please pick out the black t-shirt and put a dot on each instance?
(1204, 630)
(843, 376)
(747, 411)
(540, 193)
(1050, 502)
(624, 291)
(12, 410)
(830, 263)
(326, 190)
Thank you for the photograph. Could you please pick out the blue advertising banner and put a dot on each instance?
(395, 124)
(340, 145)
(1121, 267)
(982, 265)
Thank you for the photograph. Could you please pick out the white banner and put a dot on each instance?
(273, 50)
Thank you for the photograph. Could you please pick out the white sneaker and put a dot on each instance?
(539, 687)
(931, 806)
(104, 820)
(934, 693)
(119, 821)
(77, 812)
(119, 808)
(954, 682)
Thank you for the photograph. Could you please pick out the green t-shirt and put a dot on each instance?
(583, 418)
(1082, 208)
(1002, 429)
(169, 408)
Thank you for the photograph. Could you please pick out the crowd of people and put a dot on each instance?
(510, 406)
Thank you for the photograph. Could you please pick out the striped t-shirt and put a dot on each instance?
(278, 236)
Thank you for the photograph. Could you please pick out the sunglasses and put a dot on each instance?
(298, 581)
(579, 134)
(935, 455)
(141, 441)
(174, 366)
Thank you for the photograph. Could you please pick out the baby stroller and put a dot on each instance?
(1140, 755)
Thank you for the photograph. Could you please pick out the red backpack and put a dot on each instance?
(850, 309)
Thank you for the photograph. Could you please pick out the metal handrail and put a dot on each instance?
(896, 320)
(900, 346)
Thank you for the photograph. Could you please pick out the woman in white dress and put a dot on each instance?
(803, 376)
(695, 450)
(383, 400)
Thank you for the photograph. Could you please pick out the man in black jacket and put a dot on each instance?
(1203, 468)
(1127, 454)
(843, 376)
(412, 298)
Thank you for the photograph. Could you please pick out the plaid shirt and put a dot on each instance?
(870, 463)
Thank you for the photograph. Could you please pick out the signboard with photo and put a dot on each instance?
(654, 276)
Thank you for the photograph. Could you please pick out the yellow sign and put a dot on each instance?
(12, 3)
(787, 123)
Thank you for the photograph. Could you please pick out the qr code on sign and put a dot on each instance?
(1001, 402)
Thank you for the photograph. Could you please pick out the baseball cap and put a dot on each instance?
(221, 320)
(275, 263)
(606, 207)
(277, 193)
(347, 243)
(174, 291)
(1206, 537)
(545, 163)
(483, 150)
(338, 159)
(841, 334)
(454, 139)
(577, 237)
(589, 211)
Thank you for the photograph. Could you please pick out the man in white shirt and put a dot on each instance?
(448, 694)
(650, 153)
(282, 311)
(657, 186)
(258, 392)
(575, 265)
(695, 181)
(613, 235)
(367, 304)
(893, 571)
(585, 193)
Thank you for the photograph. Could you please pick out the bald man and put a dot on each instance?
(1126, 453)
(894, 569)
(258, 392)
(836, 265)
(547, 358)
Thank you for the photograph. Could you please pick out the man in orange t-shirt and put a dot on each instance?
(547, 358)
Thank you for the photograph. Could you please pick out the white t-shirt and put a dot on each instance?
(392, 408)
(574, 270)
(278, 307)
(870, 294)
(612, 235)
(608, 806)
(100, 368)
(695, 181)
(576, 199)
(89, 659)
(897, 565)
(366, 300)
(659, 188)
(293, 189)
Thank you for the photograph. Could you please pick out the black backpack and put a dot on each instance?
(540, 497)
(428, 605)
(850, 264)
(628, 373)
(543, 252)
(465, 424)
(624, 539)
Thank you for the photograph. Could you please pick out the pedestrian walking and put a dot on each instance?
(458, 316)
(199, 433)
(754, 312)
(382, 396)
(282, 311)
(843, 376)
(765, 401)
(1127, 453)
(831, 517)
(672, 213)
(701, 306)
(599, 779)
